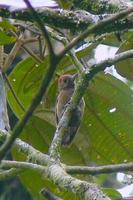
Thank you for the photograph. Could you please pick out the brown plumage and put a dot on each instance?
(66, 88)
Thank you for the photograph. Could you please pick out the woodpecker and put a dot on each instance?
(66, 86)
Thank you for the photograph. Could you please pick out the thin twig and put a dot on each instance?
(30, 40)
(41, 26)
(105, 169)
(13, 53)
(73, 57)
(20, 44)
(13, 92)
(6, 174)
(32, 54)
(48, 195)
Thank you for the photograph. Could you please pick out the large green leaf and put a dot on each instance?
(125, 67)
(107, 121)
(25, 80)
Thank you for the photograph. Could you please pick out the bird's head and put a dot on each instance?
(66, 81)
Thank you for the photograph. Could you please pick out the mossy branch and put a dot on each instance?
(65, 19)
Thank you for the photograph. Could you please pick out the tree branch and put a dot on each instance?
(13, 92)
(43, 159)
(6, 164)
(105, 169)
(9, 59)
(73, 20)
(31, 153)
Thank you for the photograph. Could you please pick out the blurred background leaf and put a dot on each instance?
(6, 39)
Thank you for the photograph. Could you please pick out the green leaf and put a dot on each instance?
(125, 67)
(6, 39)
(113, 194)
(107, 121)
(113, 39)
(25, 80)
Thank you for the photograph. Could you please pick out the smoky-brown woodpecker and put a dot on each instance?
(66, 85)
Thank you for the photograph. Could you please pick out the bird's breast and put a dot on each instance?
(63, 98)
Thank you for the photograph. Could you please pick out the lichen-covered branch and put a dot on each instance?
(85, 190)
(102, 6)
(73, 20)
(55, 172)
(42, 159)
(23, 147)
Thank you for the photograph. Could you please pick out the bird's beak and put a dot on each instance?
(75, 76)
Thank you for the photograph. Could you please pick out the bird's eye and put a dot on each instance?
(65, 80)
